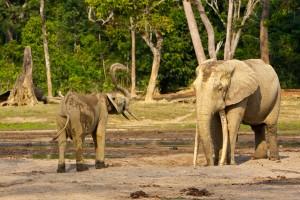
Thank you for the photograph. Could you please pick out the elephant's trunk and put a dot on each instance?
(225, 137)
(113, 68)
(204, 120)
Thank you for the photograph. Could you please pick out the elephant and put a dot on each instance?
(81, 115)
(229, 93)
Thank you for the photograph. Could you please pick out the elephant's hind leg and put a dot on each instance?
(62, 141)
(273, 146)
(77, 134)
(260, 141)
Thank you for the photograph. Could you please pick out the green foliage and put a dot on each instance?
(81, 51)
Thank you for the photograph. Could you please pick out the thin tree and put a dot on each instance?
(133, 59)
(156, 51)
(198, 47)
(46, 50)
(209, 29)
(264, 38)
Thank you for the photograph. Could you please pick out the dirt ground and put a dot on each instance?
(155, 165)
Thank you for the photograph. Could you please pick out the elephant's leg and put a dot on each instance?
(77, 134)
(260, 141)
(234, 115)
(62, 141)
(217, 137)
(271, 125)
(100, 139)
(273, 145)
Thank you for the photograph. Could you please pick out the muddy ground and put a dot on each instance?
(149, 165)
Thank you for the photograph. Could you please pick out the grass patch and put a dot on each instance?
(26, 126)
(153, 116)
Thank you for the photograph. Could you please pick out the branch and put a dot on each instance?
(214, 5)
(155, 5)
(103, 21)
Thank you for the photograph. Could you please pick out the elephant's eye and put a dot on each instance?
(219, 87)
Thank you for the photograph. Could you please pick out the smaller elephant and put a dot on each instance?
(232, 92)
(81, 115)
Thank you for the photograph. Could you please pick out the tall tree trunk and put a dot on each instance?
(46, 51)
(9, 35)
(23, 92)
(227, 49)
(198, 47)
(264, 48)
(155, 64)
(133, 60)
(209, 29)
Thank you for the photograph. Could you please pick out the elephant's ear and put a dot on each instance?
(243, 82)
(112, 102)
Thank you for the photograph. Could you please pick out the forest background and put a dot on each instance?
(83, 43)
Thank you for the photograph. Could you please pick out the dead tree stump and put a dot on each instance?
(23, 92)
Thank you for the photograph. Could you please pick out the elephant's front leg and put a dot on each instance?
(234, 116)
(99, 140)
(62, 141)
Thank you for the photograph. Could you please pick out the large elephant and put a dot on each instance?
(232, 92)
(80, 115)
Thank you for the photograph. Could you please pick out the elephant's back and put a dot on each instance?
(83, 108)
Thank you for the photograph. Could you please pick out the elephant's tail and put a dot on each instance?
(61, 130)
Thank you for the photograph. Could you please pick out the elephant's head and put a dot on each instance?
(219, 84)
(118, 100)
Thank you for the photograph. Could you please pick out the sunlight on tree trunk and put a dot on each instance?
(194, 31)
(46, 51)
(133, 60)
(155, 49)
(227, 49)
(264, 39)
(23, 92)
(209, 29)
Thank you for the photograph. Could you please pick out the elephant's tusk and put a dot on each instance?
(132, 115)
(124, 115)
(196, 147)
(225, 136)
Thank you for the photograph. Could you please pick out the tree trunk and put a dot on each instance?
(133, 60)
(227, 49)
(155, 65)
(23, 92)
(194, 31)
(264, 48)
(46, 51)
(209, 29)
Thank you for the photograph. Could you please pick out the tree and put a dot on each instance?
(234, 25)
(194, 31)
(23, 92)
(133, 59)
(264, 38)
(46, 51)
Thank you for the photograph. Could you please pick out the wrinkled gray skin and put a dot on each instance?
(248, 92)
(81, 115)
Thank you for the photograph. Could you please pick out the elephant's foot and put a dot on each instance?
(100, 164)
(81, 167)
(261, 151)
(260, 155)
(61, 168)
(274, 157)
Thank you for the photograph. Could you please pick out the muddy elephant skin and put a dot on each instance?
(81, 115)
